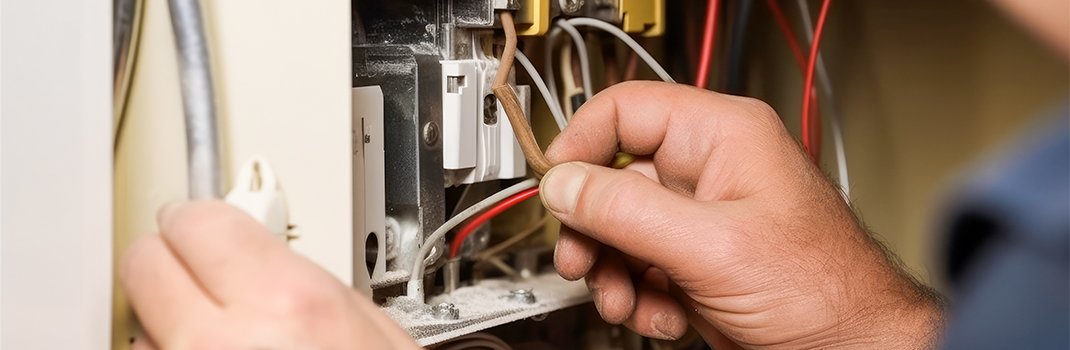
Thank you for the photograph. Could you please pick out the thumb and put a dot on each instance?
(632, 213)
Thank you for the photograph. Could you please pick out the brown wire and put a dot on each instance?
(536, 159)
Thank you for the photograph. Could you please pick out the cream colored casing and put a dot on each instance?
(282, 80)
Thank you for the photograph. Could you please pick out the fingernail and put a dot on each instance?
(561, 187)
(665, 325)
(167, 211)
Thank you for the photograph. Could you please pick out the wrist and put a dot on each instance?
(904, 315)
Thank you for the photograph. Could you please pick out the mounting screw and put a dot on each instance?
(521, 295)
(571, 6)
(445, 311)
(430, 134)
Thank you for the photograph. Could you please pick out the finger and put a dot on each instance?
(657, 279)
(611, 287)
(644, 165)
(635, 215)
(227, 250)
(575, 254)
(686, 129)
(657, 315)
(162, 291)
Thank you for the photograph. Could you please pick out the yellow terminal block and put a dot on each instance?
(533, 19)
(643, 16)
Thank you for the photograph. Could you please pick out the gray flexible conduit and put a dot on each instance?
(198, 100)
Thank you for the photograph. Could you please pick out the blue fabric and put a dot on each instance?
(1008, 248)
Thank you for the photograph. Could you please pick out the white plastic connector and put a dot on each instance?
(256, 191)
(460, 106)
(477, 140)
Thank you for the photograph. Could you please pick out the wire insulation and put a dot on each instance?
(736, 63)
(507, 97)
(620, 34)
(502, 206)
(834, 106)
(198, 100)
(514, 239)
(793, 43)
(554, 105)
(415, 286)
(808, 131)
(581, 51)
(702, 75)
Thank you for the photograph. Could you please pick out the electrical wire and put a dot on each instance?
(507, 97)
(581, 51)
(796, 51)
(198, 100)
(807, 130)
(573, 93)
(620, 34)
(735, 81)
(834, 106)
(486, 216)
(514, 239)
(555, 107)
(415, 285)
(702, 75)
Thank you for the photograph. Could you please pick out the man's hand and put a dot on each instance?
(727, 225)
(214, 278)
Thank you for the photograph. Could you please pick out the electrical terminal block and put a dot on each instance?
(646, 17)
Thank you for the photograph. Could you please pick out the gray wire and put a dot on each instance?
(416, 284)
(198, 100)
(620, 34)
(552, 103)
(834, 108)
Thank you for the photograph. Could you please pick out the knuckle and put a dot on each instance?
(761, 111)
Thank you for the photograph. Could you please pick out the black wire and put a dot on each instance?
(735, 77)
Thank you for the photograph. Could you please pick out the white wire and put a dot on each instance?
(591, 22)
(415, 286)
(581, 50)
(552, 103)
(826, 88)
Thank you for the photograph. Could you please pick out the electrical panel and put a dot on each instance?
(425, 139)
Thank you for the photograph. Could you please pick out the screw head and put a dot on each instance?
(571, 6)
(445, 311)
(430, 134)
(522, 296)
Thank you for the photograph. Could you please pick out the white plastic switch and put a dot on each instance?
(256, 191)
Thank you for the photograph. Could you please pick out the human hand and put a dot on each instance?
(731, 228)
(214, 278)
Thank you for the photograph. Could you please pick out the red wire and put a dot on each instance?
(808, 125)
(515, 199)
(789, 35)
(702, 75)
(796, 51)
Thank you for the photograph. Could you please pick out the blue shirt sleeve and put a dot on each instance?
(1008, 248)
